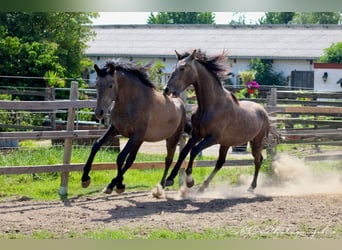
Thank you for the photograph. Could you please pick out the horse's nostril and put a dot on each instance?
(99, 113)
(166, 91)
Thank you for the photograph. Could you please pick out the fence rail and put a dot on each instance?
(323, 131)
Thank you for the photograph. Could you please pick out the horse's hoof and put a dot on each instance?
(190, 181)
(190, 184)
(107, 190)
(86, 184)
(120, 188)
(169, 183)
(250, 189)
(201, 189)
(85, 181)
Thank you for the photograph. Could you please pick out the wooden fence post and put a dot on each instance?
(272, 149)
(68, 141)
(273, 98)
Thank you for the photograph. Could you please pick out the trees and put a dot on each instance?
(277, 18)
(181, 18)
(301, 18)
(29, 59)
(265, 75)
(332, 54)
(32, 44)
(316, 18)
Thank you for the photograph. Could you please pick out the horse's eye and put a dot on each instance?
(111, 86)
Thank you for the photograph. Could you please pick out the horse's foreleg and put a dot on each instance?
(184, 152)
(95, 148)
(220, 161)
(130, 150)
(205, 143)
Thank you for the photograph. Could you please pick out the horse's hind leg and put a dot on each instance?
(257, 147)
(96, 146)
(171, 145)
(220, 161)
(184, 152)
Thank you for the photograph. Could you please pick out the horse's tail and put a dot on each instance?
(274, 132)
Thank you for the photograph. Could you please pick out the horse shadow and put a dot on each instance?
(139, 209)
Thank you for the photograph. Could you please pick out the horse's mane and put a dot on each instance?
(216, 64)
(136, 70)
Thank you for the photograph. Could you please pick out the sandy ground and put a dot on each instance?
(305, 216)
(296, 203)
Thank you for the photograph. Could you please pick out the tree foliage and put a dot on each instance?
(265, 75)
(333, 54)
(301, 18)
(277, 18)
(32, 44)
(316, 18)
(181, 18)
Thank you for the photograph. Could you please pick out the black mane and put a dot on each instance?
(132, 68)
(215, 64)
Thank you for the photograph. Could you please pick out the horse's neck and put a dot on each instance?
(208, 91)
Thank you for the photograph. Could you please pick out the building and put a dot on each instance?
(293, 49)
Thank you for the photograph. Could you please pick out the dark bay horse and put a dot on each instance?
(220, 118)
(140, 113)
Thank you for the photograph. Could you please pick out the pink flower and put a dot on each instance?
(253, 85)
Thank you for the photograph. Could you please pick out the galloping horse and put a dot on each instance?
(220, 118)
(140, 113)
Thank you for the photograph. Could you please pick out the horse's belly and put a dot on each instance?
(158, 133)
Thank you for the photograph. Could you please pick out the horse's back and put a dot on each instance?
(167, 115)
(250, 107)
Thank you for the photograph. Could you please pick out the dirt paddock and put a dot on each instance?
(296, 204)
(303, 216)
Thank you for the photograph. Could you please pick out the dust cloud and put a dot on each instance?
(291, 176)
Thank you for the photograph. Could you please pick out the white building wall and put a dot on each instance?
(236, 66)
(330, 85)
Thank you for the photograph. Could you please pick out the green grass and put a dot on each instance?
(45, 186)
(252, 230)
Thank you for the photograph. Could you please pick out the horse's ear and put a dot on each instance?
(178, 55)
(111, 69)
(192, 56)
(146, 67)
(97, 69)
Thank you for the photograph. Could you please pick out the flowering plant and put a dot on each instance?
(251, 86)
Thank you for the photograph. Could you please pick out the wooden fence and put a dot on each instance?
(308, 117)
(310, 110)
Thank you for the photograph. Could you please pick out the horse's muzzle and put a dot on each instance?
(99, 114)
(168, 92)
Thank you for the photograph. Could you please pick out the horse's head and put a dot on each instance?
(184, 74)
(105, 87)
